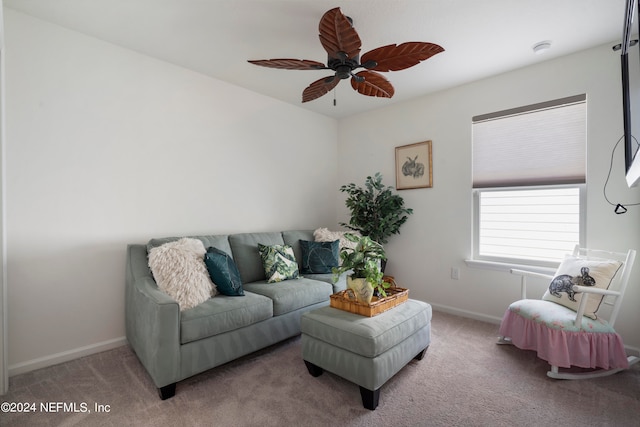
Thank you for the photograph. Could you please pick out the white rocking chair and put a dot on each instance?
(567, 327)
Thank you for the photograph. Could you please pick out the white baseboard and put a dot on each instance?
(466, 313)
(65, 356)
(632, 351)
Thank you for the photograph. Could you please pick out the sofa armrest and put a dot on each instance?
(152, 320)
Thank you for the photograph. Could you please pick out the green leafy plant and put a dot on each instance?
(364, 262)
(376, 211)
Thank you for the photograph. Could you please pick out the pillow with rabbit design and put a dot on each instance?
(582, 272)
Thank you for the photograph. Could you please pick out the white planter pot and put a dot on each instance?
(361, 288)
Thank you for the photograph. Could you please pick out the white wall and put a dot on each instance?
(4, 372)
(105, 147)
(438, 236)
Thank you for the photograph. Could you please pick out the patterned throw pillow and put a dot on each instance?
(223, 272)
(583, 272)
(319, 257)
(279, 262)
(179, 272)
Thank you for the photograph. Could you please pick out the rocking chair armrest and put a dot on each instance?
(523, 279)
(583, 301)
(589, 290)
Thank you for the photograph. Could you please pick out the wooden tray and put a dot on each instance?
(345, 300)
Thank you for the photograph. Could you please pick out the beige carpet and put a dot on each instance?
(465, 380)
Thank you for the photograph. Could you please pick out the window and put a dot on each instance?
(528, 179)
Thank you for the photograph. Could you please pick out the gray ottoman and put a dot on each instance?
(367, 351)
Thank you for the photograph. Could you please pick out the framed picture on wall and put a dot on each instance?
(414, 166)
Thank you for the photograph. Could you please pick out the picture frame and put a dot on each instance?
(414, 166)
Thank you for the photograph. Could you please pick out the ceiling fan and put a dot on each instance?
(342, 43)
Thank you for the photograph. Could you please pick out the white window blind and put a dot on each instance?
(534, 145)
(529, 167)
(529, 224)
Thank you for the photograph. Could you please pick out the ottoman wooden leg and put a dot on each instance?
(370, 398)
(420, 355)
(167, 391)
(314, 370)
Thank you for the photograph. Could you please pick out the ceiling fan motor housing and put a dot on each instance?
(343, 66)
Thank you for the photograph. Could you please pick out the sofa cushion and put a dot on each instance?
(338, 285)
(244, 248)
(293, 237)
(179, 271)
(223, 272)
(319, 257)
(217, 241)
(223, 314)
(279, 262)
(291, 295)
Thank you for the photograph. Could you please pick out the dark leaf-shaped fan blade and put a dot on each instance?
(319, 88)
(374, 84)
(338, 35)
(405, 55)
(289, 64)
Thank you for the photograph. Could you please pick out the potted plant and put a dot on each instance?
(376, 211)
(364, 263)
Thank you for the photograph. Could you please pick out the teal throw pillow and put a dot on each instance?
(319, 257)
(223, 272)
(279, 262)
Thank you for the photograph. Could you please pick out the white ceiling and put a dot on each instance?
(216, 37)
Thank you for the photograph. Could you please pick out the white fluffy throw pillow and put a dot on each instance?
(325, 235)
(179, 270)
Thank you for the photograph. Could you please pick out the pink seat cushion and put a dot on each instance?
(548, 329)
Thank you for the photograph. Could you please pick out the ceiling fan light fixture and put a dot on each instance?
(541, 47)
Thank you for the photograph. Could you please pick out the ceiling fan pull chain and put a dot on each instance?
(334, 96)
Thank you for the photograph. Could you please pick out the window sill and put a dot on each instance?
(506, 267)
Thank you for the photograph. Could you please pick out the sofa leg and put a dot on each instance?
(370, 398)
(314, 370)
(420, 355)
(167, 391)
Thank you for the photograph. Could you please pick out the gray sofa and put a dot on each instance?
(174, 345)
